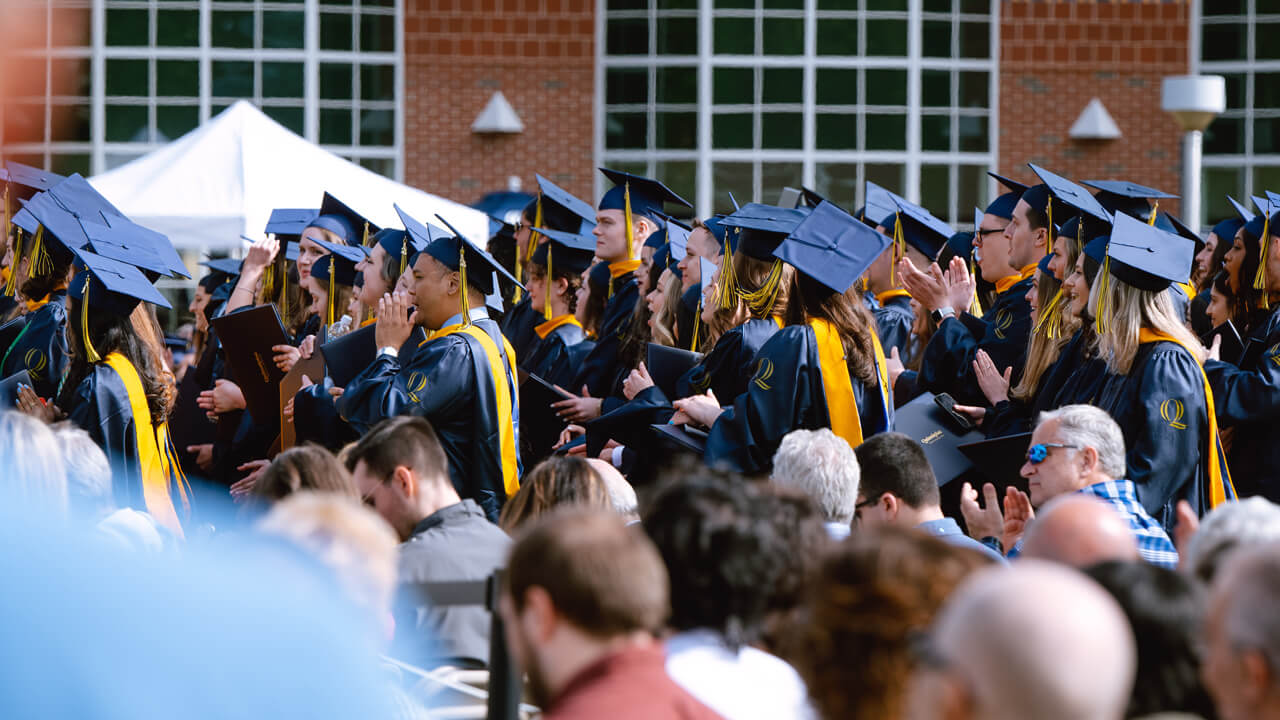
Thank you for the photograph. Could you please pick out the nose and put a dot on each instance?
(1027, 470)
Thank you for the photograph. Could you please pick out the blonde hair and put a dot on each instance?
(1043, 350)
(664, 321)
(1131, 311)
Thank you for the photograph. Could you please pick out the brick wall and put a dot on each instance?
(539, 53)
(1055, 56)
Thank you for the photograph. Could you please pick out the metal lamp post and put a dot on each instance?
(1194, 101)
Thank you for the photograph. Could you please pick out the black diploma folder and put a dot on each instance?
(247, 337)
(667, 364)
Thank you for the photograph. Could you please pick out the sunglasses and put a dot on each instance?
(1037, 453)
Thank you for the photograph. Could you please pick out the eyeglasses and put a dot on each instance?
(857, 509)
(989, 231)
(1037, 453)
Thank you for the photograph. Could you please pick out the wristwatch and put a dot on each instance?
(942, 313)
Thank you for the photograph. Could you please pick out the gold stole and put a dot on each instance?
(837, 385)
(548, 327)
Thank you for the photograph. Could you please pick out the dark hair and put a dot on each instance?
(1216, 260)
(400, 441)
(36, 287)
(635, 343)
(574, 279)
(604, 577)
(558, 480)
(307, 467)
(1037, 218)
(847, 312)
(1165, 609)
(390, 270)
(1221, 284)
(868, 599)
(110, 333)
(798, 521)
(1247, 301)
(896, 464)
(291, 290)
(722, 550)
(597, 298)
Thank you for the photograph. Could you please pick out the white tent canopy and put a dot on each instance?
(222, 180)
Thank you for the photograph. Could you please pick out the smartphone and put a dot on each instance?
(948, 405)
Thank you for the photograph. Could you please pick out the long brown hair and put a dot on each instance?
(847, 313)
(1042, 349)
(751, 275)
(307, 467)
(129, 336)
(289, 297)
(557, 481)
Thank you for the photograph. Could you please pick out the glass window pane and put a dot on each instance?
(335, 127)
(886, 132)
(677, 85)
(975, 91)
(233, 29)
(378, 33)
(783, 85)
(837, 86)
(837, 4)
(731, 130)
(887, 37)
(383, 166)
(935, 88)
(628, 5)
(782, 131)
(775, 176)
(938, 6)
(126, 123)
(1266, 90)
(378, 127)
(378, 82)
(735, 36)
(731, 177)
(678, 36)
(1225, 136)
(289, 117)
(975, 40)
(837, 36)
(627, 36)
(1265, 47)
(178, 28)
(1224, 7)
(681, 177)
(935, 132)
(1265, 177)
(937, 38)
(1223, 41)
(1235, 90)
(837, 132)
(127, 77)
(896, 5)
(886, 87)
(973, 133)
(177, 78)
(626, 85)
(626, 130)
(783, 36)
(784, 4)
(733, 86)
(69, 76)
(335, 31)
(837, 181)
(971, 184)
(335, 81)
(174, 121)
(676, 131)
(1266, 139)
(935, 189)
(24, 121)
(233, 79)
(68, 163)
(127, 28)
(282, 79)
(977, 7)
(1218, 183)
(677, 4)
(70, 123)
(282, 29)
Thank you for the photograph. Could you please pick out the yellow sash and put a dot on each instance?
(1005, 283)
(1188, 289)
(158, 466)
(1221, 489)
(837, 385)
(891, 294)
(548, 327)
(622, 267)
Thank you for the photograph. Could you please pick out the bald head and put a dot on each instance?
(1079, 531)
(1038, 640)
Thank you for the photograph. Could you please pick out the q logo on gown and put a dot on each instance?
(764, 371)
(1172, 411)
(36, 363)
(417, 383)
(1003, 321)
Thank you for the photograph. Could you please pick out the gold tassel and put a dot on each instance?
(1048, 210)
(12, 287)
(404, 255)
(333, 271)
(269, 283)
(626, 217)
(1050, 317)
(364, 241)
(728, 276)
(899, 247)
(1154, 208)
(284, 292)
(1099, 323)
(528, 252)
(1260, 278)
(40, 262)
(89, 353)
(462, 278)
(546, 288)
(761, 301)
(697, 326)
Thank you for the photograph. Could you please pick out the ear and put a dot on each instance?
(561, 287)
(1089, 459)
(644, 226)
(539, 615)
(455, 282)
(402, 479)
(889, 503)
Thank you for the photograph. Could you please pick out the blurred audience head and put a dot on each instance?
(1079, 531)
(898, 484)
(1085, 447)
(578, 583)
(1242, 634)
(869, 595)
(558, 480)
(308, 467)
(35, 475)
(621, 495)
(1035, 640)
(1226, 527)
(88, 473)
(822, 465)
(801, 526)
(400, 470)
(1165, 611)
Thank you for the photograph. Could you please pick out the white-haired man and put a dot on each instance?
(823, 466)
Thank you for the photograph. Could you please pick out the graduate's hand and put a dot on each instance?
(336, 392)
(578, 409)
(244, 486)
(993, 383)
(204, 455)
(697, 410)
(286, 356)
(395, 322)
(1187, 524)
(225, 397)
(1017, 515)
(35, 406)
(975, 413)
(637, 382)
(307, 347)
(1215, 351)
(607, 453)
(260, 255)
(926, 287)
(984, 520)
(960, 284)
(568, 434)
(893, 364)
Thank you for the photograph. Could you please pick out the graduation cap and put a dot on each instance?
(1005, 202)
(396, 243)
(1242, 211)
(221, 271)
(760, 228)
(662, 258)
(564, 250)
(497, 229)
(961, 244)
(480, 269)
(121, 242)
(23, 181)
(333, 271)
(56, 233)
(921, 230)
(351, 253)
(1147, 257)
(1263, 204)
(175, 343)
(1226, 229)
(882, 205)
(832, 247)
(1000, 459)
(338, 218)
(561, 209)
(107, 285)
(656, 239)
(638, 195)
(1010, 184)
(1067, 193)
(1095, 254)
(420, 234)
(1183, 230)
(1130, 198)
(287, 225)
(678, 238)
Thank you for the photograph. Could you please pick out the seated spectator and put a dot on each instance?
(400, 470)
(1079, 531)
(899, 488)
(558, 480)
(798, 521)
(1165, 611)
(1074, 449)
(621, 494)
(1226, 527)
(307, 467)
(583, 595)
(1035, 640)
(723, 555)
(1242, 635)
(868, 598)
(35, 476)
(823, 466)
(90, 497)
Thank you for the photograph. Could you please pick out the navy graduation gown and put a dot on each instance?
(41, 348)
(785, 393)
(599, 371)
(518, 327)
(687, 316)
(1200, 322)
(1247, 399)
(1072, 378)
(894, 318)
(448, 382)
(1002, 332)
(557, 357)
(316, 418)
(100, 406)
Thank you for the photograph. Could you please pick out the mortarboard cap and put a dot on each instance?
(1147, 257)
(562, 210)
(396, 243)
(647, 195)
(122, 244)
(497, 229)
(1000, 459)
(420, 234)
(63, 232)
(25, 180)
(662, 259)
(350, 253)
(173, 342)
(568, 251)
(338, 218)
(1226, 229)
(1003, 205)
(1255, 226)
(656, 239)
(922, 230)
(1013, 186)
(340, 267)
(1070, 194)
(158, 243)
(1043, 265)
(481, 266)
(961, 244)
(706, 271)
(760, 228)
(1183, 230)
(112, 286)
(1095, 253)
(832, 247)
(678, 238)
(882, 205)
(1121, 196)
(226, 266)
(713, 226)
(1242, 211)
(288, 223)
